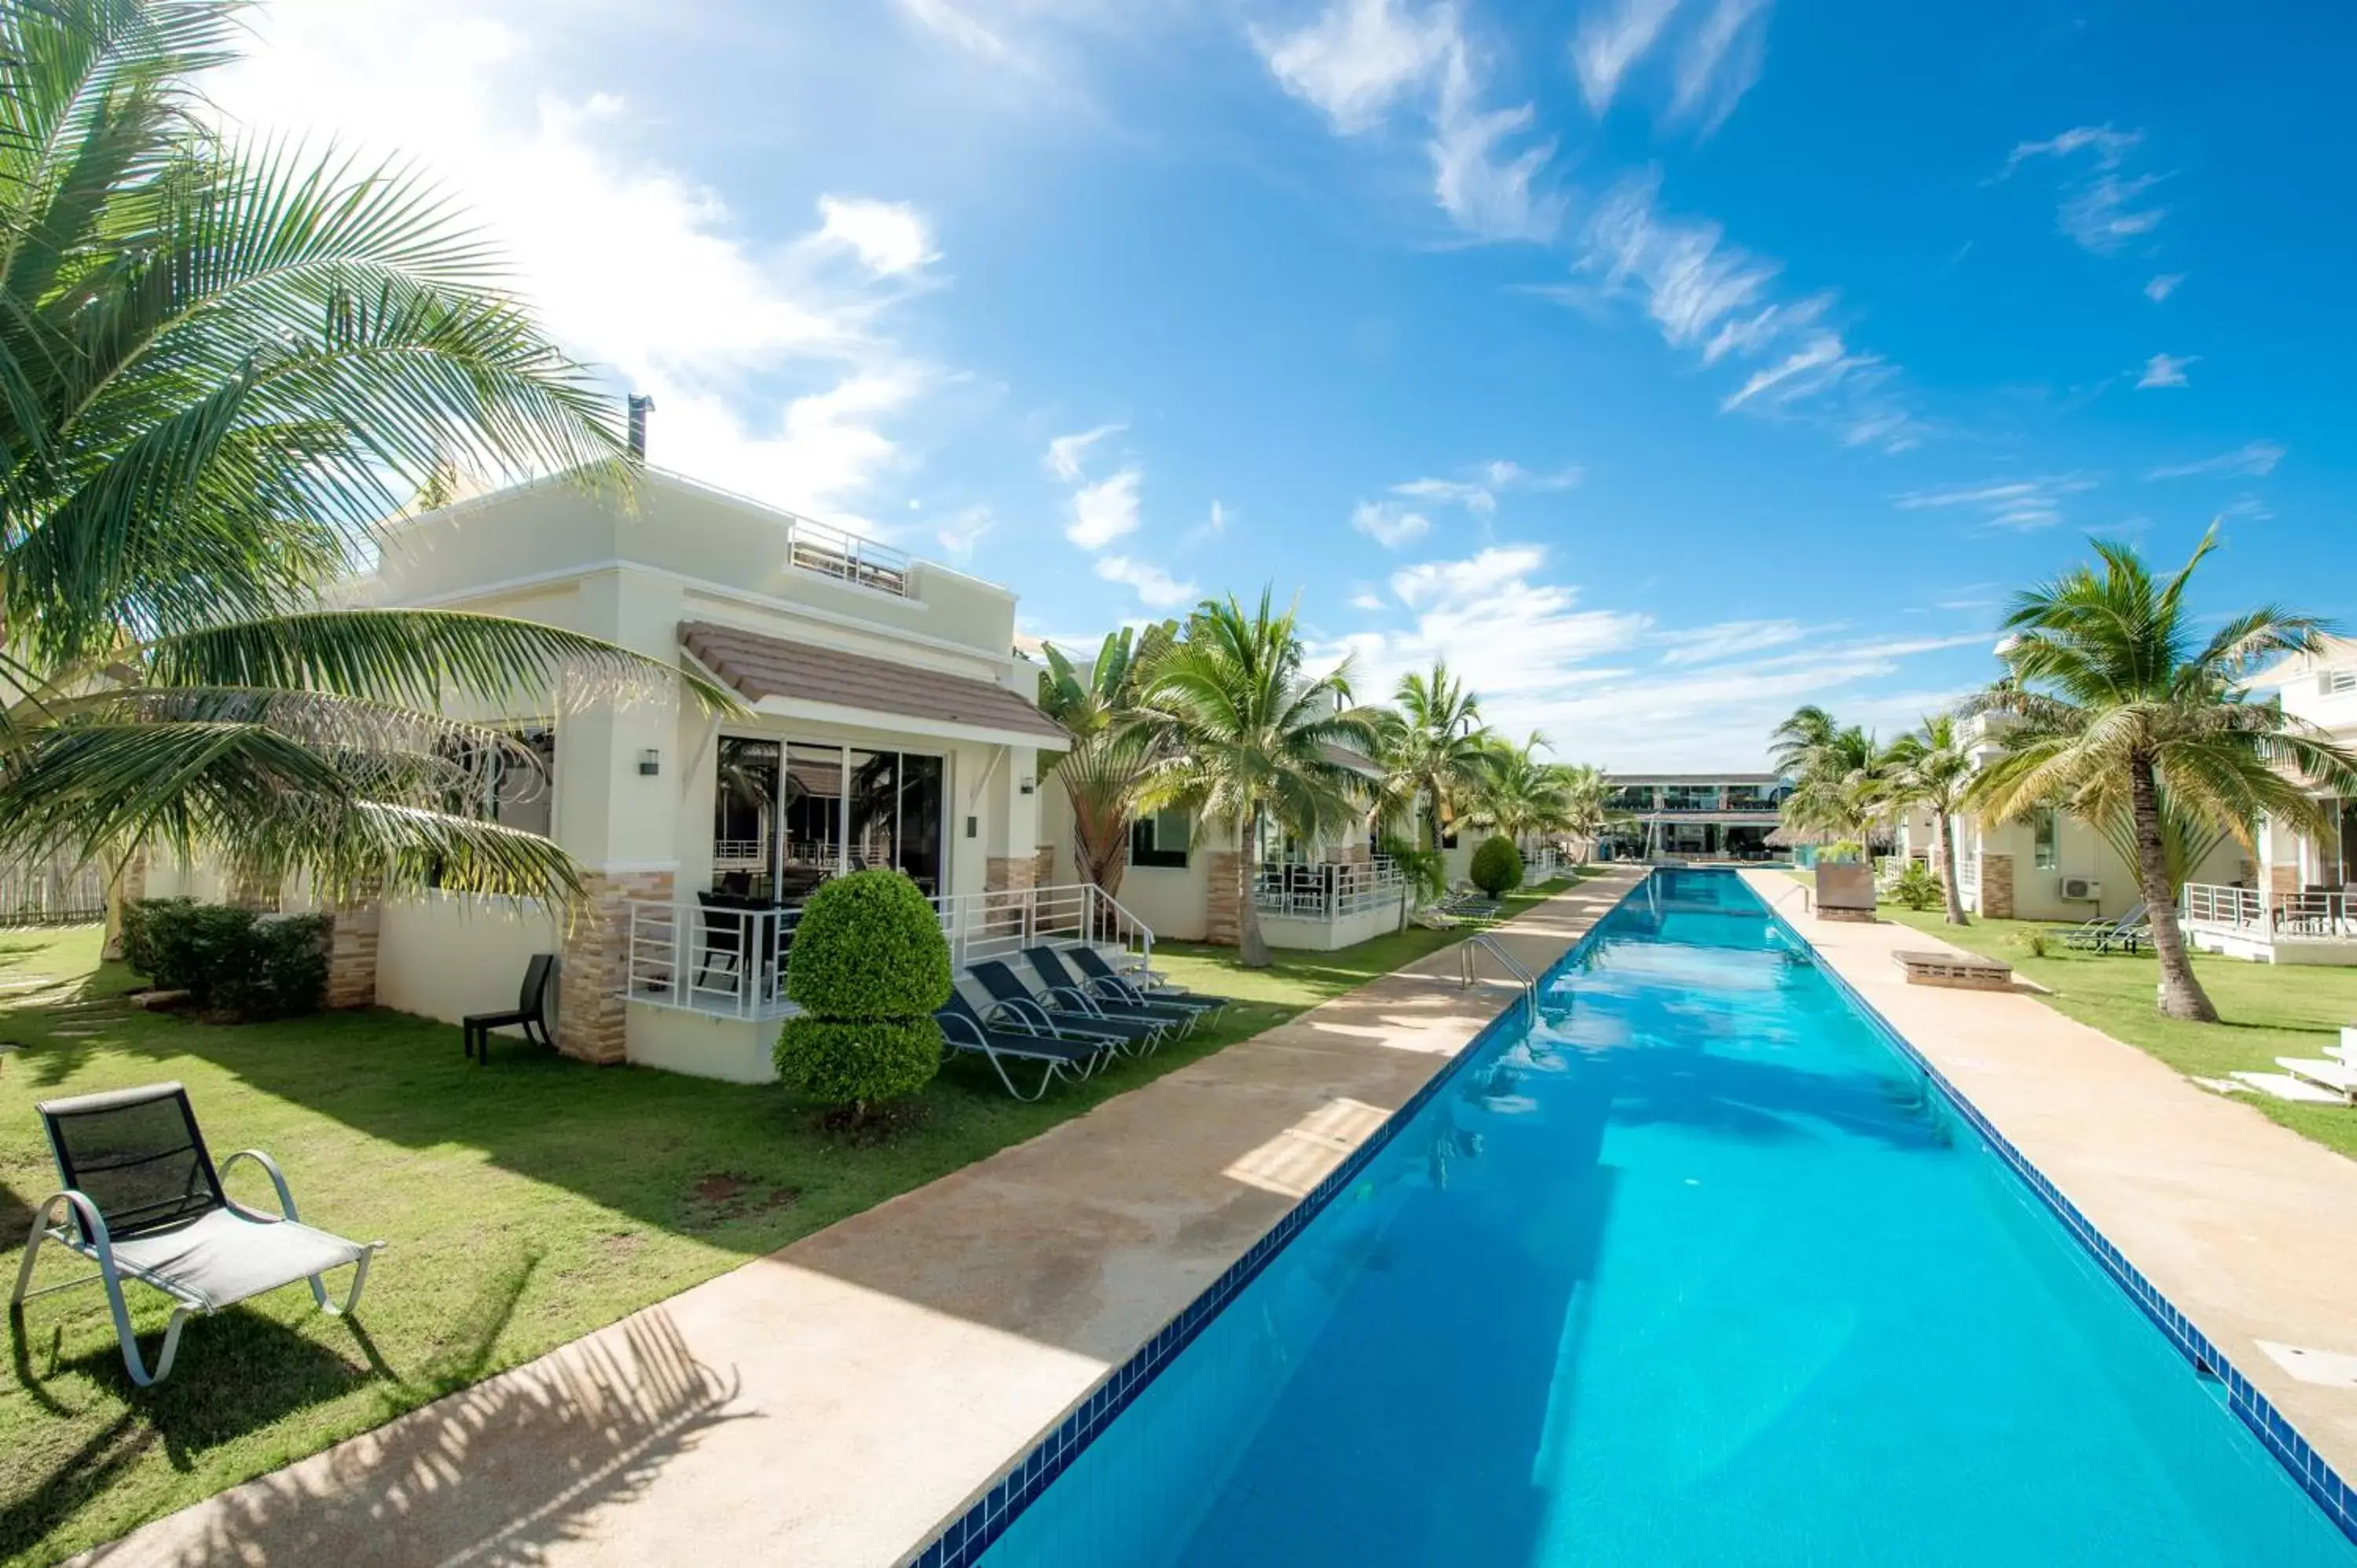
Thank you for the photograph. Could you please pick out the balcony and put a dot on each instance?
(732, 962)
(2316, 926)
(1329, 907)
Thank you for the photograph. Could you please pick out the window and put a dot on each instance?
(788, 817)
(511, 789)
(1160, 839)
(2337, 683)
(2044, 832)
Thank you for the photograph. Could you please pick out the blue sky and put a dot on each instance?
(1661, 363)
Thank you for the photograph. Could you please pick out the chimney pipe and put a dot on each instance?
(640, 407)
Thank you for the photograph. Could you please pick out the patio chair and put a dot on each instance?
(145, 1202)
(1142, 985)
(999, 1038)
(530, 1014)
(1111, 992)
(2101, 935)
(1064, 1011)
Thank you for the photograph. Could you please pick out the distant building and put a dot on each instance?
(1694, 815)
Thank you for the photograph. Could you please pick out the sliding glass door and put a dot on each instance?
(788, 817)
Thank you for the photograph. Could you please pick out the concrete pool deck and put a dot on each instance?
(835, 1402)
(2243, 1224)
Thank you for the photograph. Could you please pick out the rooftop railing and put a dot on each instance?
(847, 558)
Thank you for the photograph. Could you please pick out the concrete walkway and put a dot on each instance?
(836, 1401)
(2243, 1223)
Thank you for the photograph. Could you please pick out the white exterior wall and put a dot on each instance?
(445, 955)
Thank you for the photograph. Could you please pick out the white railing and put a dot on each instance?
(2315, 915)
(734, 961)
(1327, 891)
(1968, 873)
(847, 557)
(2238, 908)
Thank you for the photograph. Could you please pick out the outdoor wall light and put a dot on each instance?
(650, 761)
(1026, 785)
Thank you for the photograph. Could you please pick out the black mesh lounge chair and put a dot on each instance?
(1119, 1002)
(531, 1013)
(999, 1039)
(1104, 976)
(145, 1202)
(1074, 1013)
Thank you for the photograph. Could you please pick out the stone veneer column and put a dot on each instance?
(2283, 881)
(593, 967)
(1997, 886)
(1223, 898)
(1043, 866)
(351, 955)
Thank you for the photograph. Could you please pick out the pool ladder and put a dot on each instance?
(1469, 953)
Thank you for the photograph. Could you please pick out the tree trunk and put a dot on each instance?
(2181, 995)
(1252, 948)
(1947, 830)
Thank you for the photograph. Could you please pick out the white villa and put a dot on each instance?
(893, 724)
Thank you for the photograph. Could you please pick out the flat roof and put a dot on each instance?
(1694, 779)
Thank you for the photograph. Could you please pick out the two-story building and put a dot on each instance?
(1694, 816)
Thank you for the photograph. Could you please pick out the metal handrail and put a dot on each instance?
(1469, 964)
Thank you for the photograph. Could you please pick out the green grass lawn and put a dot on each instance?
(2266, 1010)
(524, 1204)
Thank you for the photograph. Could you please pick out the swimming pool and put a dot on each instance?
(1696, 1268)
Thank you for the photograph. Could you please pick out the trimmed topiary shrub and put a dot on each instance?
(230, 961)
(1496, 866)
(868, 968)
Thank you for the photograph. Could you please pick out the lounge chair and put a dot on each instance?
(1116, 1000)
(2101, 935)
(145, 1202)
(1139, 985)
(1472, 907)
(999, 1038)
(530, 1014)
(1067, 1012)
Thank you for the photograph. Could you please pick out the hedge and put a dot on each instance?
(229, 959)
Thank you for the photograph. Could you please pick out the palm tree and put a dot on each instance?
(1837, 774)
(2123, 710)
(1517, 794)
(1435, 750)
(1249, 738)
(1586, 804)
(1933, 768)
(221, 360)
(1112, 752)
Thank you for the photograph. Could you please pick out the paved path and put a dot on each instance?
(835, 1401)
(2243, 1223)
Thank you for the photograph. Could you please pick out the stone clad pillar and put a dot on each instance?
(1996, 885)
(593, 965)
(1223, 898)
(351, 955)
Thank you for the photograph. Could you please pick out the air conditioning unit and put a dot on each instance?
(2083, 891)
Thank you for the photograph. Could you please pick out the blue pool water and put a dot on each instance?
(1695, 1270)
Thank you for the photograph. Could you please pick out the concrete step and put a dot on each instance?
(2283, 1086)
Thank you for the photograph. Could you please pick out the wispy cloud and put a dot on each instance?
(2166, 370)
(1105, 511)
(2104, 210)
(2253, 459)
(2018, 505)
(1065, 453)
(1719, 54)
(1709, 644)
(890, 237)
(1721, 62)
(1480, 493)
(1360, 61)
(2162, 286)
(1388, 525)
(963, 530)
(1156, 588)
(1721, 303)
(1610, 40)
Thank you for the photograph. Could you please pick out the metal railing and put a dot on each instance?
(1968, 873)
(1469, 964)
(2239, 909)
(734, 961)
(1331, 891)
(2317, 913)
(847, 558)
(58, 893)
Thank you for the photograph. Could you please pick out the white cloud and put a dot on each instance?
(2253, 459)
(2018, 505)
(1387, 525)
(2103, 212)
(1721, 62)
(2162, 286)
(1710, 644)
(1479, 494)
(1105, 511)
(1064, 452)
(888, 236)
(773, 367)
(1218, 521)
(1156, 588)
(1359, 58)
(963, 530)
(2165, 369)
(1720, 302)
(1610, 41)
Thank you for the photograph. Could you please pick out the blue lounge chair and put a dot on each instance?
(999, 1039)
(1064, 1011)
(1089, 970)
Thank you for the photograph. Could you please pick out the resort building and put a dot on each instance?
(1694, 816)
(892, 724)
